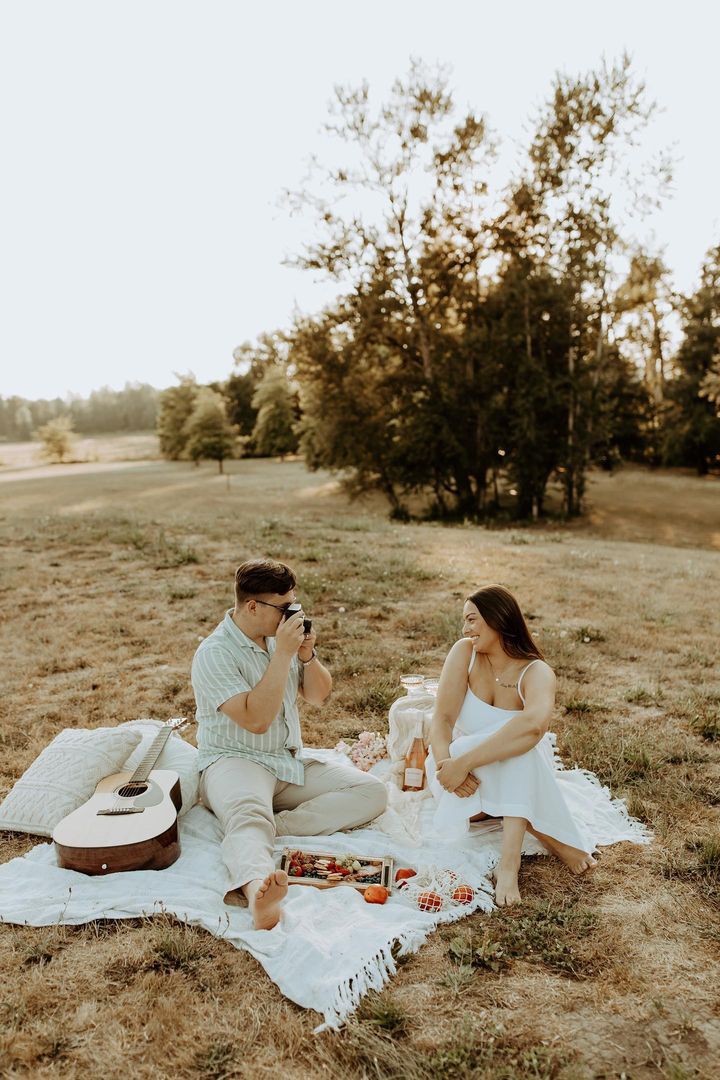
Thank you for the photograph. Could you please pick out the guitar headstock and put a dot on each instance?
(177, 723)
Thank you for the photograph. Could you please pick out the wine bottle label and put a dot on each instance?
(414, 778)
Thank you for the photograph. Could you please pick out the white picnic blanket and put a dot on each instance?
(330, 946)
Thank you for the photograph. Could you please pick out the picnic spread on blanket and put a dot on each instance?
(383, 888)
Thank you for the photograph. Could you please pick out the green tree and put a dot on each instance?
(644, 304)
(417, 331)
(275, 426)
(561, 213)
(251, 361)
(176, 407)
(398, 377)
(710, 386)
(692, 424)
(57, 437)
(238, 391)
(208, 432)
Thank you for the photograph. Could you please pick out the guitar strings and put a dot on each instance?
(153, 753)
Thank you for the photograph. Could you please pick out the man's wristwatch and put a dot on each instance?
(306, 662)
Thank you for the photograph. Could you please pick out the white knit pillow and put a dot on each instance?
(64, 776)
(178, 755)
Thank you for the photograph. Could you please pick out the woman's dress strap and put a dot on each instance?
(472, 661)
(519, 682)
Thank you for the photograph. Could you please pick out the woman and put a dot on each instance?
(488, 757)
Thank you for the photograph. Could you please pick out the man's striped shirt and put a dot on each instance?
(226, 663)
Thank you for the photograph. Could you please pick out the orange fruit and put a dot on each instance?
(429, 901)
(404, 873)
(463, 894)
(376, 894)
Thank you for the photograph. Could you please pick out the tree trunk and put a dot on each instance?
(570, 468)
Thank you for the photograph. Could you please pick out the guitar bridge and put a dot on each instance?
(121, 810)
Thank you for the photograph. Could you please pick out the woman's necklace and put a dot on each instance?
(498, 678)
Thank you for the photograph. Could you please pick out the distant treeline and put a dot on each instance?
(105, 411)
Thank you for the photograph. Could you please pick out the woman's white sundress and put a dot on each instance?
(525, 786)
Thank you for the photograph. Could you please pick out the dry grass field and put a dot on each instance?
(113, 571)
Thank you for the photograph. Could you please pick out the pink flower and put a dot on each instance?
(369, 748)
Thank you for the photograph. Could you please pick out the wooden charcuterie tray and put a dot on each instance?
(326, 869)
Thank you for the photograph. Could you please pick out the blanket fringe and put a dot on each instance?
(639, 832)
(377, 972)
(374, 974)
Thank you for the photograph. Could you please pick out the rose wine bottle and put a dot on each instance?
(414, 775)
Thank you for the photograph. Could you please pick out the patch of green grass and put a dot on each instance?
(444, 627)
(489, 1053)
(701, 711)
(37, 954)
(659, 618)
(638, 808)
(588, 634)
(640, 695)
(487, 954)
(152, 542)
(707, 726)
(217, 1061)
(376, 697)
(43, 947)
(53, 1048)
(181, 593)
(698, 864)
(707, 853)
(362, 524)
(380, 1011)
(702, 659)
(178, 948)
(173, 688)
(675, 1070)
(85, 531)
(486, 1051)
(583, 707)
(545, 934)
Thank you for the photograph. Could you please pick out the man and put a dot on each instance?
(255, 776)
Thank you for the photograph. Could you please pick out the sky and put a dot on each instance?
(146, 144)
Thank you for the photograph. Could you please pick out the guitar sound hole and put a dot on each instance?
(128, 791)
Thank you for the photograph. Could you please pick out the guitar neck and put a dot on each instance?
(154, 751)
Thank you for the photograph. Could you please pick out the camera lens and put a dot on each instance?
(307, 625)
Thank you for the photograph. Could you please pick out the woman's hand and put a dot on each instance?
(453, 775)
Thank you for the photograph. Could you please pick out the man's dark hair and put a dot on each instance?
(260, 576)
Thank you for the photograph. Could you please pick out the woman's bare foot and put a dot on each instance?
(265, 895)
(578, 861)
(506, 883)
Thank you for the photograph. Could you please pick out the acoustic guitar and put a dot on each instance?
(130, 822)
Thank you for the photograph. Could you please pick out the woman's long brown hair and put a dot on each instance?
(501, 611)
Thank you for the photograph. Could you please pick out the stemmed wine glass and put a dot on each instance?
(412, 684)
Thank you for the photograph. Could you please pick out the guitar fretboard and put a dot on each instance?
(154, 751)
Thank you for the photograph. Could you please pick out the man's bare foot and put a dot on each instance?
(506, 884)
(265, 895)
(578, 861)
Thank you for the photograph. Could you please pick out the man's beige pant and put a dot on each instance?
(253, 807)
